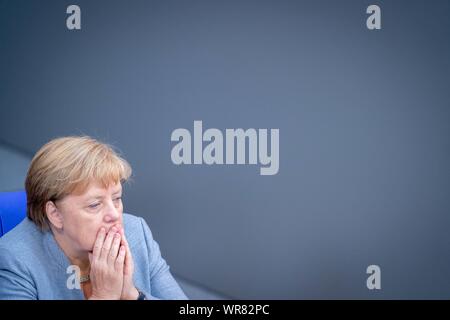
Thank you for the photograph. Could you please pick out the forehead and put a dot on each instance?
(96, 188)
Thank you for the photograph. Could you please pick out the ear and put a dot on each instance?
(54, 215)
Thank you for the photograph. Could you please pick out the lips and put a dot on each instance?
(117, 225)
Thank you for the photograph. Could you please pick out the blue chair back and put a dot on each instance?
(13, 209)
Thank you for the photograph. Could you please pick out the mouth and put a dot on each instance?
(117, 225)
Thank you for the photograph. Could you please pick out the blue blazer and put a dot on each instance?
(32, 265)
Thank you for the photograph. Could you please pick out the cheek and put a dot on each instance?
(89, 235)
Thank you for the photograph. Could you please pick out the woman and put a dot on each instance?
(76, 242)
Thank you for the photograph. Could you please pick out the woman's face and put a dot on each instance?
(84, 214)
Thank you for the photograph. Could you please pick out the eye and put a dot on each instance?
(94, 205)
(117, 199)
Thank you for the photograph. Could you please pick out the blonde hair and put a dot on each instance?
(68, 164)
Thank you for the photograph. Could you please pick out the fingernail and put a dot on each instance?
(117, 236)
(102, 230)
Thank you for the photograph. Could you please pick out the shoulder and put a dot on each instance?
(21, 252)
(136, 229)
(23, 242)
(132, 222)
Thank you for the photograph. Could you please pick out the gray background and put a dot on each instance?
(364, 132)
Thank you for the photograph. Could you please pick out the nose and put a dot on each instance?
(112, 213)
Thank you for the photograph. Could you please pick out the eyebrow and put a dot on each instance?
(94, 197)
(101, 197)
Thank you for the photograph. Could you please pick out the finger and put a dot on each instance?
(128, 257)
(114, 249)
(107, 244)
(120, 260)
(99, 243)
(124, 239)
(122, 232)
